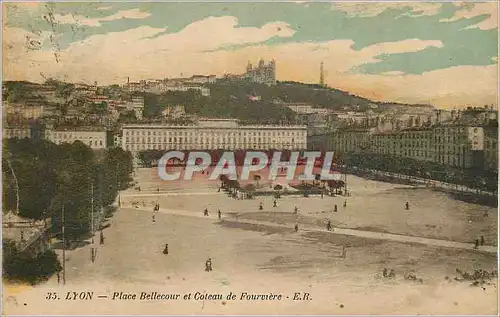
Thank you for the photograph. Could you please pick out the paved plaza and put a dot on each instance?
(272, 257)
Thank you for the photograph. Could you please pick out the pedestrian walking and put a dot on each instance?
(476, 244)
(208, 265)
(165, 250)
(329, 226)
(219, 213)
(335, 208)
(275, 204)
(407, 206)
(296, 210)
(296, 227)
(158, 189)
(322, 195)
(345, 203)
(261, 207)
(101, 238)
(58, 277)
(482, 240)
(205, 212)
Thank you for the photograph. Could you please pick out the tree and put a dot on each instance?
(24, 267)
(52, 176)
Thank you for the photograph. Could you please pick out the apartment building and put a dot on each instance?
(209, 134)
(16, 132)
(96, 138)
(455, 145)
(174, 112)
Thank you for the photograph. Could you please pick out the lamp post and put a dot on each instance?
(7, 158)
(64, 243)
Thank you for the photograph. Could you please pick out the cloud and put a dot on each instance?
(446, 88)
(148, 52)
(405, 46)
(116, 54)
(104, 8)
(374, 9)
(471, 10)
(393, 73)
(135, 14)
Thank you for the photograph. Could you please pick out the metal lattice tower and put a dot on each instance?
(321, 75)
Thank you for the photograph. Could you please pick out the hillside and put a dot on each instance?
(229, 99)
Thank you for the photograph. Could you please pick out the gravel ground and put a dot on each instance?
(248, 258)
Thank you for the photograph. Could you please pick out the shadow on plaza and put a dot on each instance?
(79, 242)
(468, 197)
(490, 201)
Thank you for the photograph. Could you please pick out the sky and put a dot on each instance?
(443, 54)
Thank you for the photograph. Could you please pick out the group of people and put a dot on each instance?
(136, 204)
(206, 213)
(155, 209)
(479, 242)
(296, 211)
(208, 263)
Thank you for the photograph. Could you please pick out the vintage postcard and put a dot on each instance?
(237, 158)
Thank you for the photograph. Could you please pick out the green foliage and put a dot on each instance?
(99, 108)
(18, 91)
(25, 267)
(470, 177)
(148, 157)
(52, 176)
(232, 100)
(127, 117)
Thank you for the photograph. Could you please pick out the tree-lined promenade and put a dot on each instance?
(49, 178)
(477, 179)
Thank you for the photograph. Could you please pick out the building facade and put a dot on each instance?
(262, 73)
(23, 111)
(174, 112)
(19, 132)
(306, 108)
(491, 147)
(93, 137)
(454, 145)
(213, 134)
(200, 79)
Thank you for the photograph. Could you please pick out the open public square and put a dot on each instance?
(259, 252)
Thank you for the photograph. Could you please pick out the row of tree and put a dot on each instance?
(477, 178)
(149, 158)
(47, 177)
